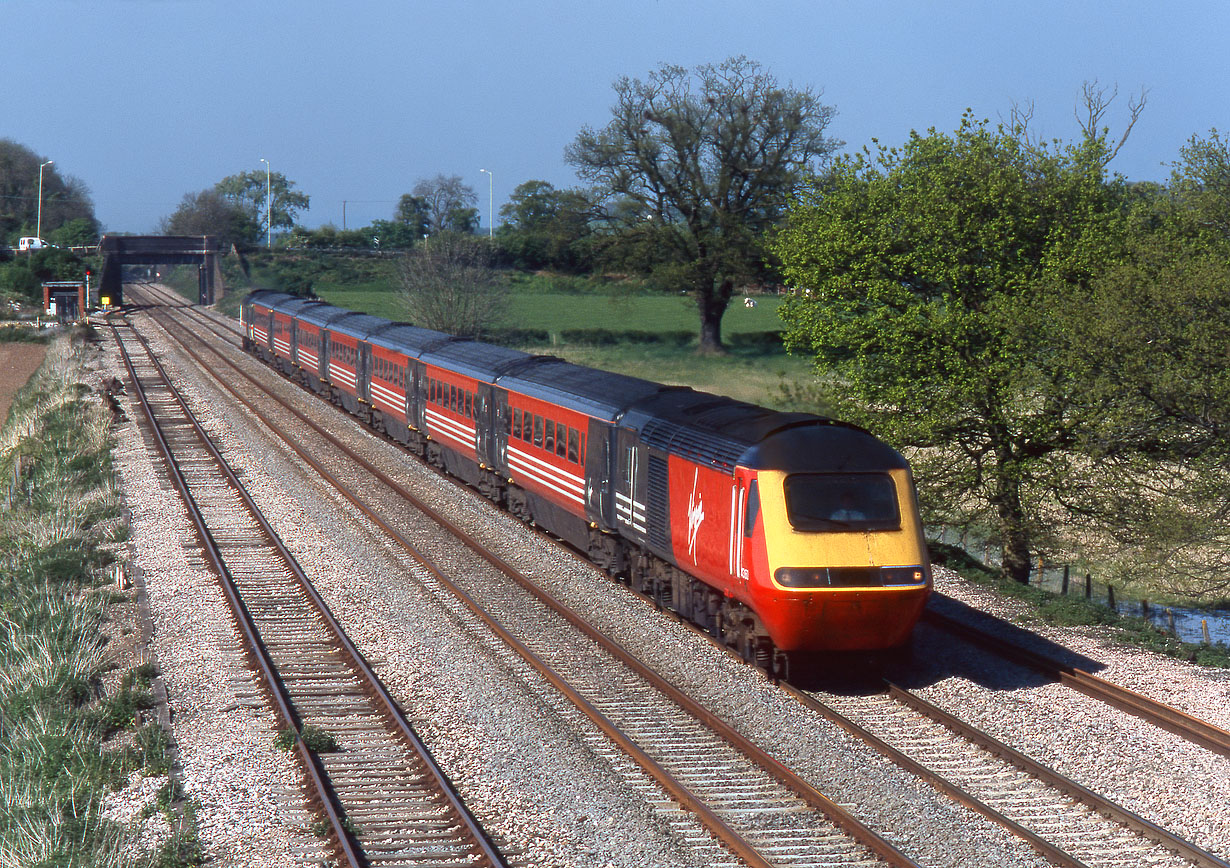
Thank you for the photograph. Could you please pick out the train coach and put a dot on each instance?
(777, 532)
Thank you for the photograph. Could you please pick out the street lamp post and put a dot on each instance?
(38, 229)
(490, 203)
(268, 207)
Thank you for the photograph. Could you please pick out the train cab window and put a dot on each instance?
(842, 501)
(537, 430)
(752, 509)
(573, 442)
(549, 440)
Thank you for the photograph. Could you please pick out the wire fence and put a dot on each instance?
(1187, 624)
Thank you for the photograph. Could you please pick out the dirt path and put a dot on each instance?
(18, 361)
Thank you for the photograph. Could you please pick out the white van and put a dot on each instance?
(30, 242)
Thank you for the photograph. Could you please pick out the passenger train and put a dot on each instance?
(776, 532)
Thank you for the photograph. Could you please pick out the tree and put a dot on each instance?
(1148, 338)
(210, 213)
(414, 213)
(925, 281)
(450, 284)
(65, 199)
(1200, 183)
(711, 156)
(248, 190)
(450, 204)
(543, 227)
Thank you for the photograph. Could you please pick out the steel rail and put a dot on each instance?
(275, 690)
(1045, 848)
(391, 712)
(813, 797)
(1167, 717)
(1099, 803)
(1181, 723)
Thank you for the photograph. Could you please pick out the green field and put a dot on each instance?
(648, 335)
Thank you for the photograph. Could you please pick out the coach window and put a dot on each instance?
(549, 440)
(573, 442)
(516, 423)
(537, 430)
(470, 405)
(561, 440)
(752, 510)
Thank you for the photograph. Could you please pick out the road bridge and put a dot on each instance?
(202, 251)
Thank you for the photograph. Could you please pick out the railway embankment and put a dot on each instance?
(82, 752)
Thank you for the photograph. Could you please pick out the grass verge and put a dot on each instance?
(1074, 611)
(63, 746)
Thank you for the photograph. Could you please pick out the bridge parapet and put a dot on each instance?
(200, 250)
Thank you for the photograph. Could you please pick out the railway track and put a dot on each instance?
(1067, 823)
(381, 798)
(1159, 714)
(1031, 801)
(762, 812)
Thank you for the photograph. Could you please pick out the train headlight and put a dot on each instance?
(904, 575)
(802, 577)
(850, 577)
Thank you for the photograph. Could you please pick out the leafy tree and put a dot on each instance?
(1200, 182)
(210, 213)
(394, 234)
(413, 213)
(450, 284)
(925, 281)
(248, 190)
(65, 199)
(450, 204)
(711, 156)
(1147, 339)
(78, 232)
(543, 227)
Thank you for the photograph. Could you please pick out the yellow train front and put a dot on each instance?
(838, 559)
(787, 531)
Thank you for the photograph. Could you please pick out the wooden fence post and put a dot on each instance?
(1066, 569)
(1088, 586)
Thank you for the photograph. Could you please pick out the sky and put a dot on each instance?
(147, 100)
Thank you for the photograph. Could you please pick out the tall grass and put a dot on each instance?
(57, 754)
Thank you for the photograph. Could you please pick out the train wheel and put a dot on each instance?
(762, 654)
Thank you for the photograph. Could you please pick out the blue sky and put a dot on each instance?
(146, 100)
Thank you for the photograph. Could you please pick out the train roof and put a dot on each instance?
(357, 325)
(724, 432)
(410, 340)
(474, 358)
(818, 445)
(267, 297)
(323, 314)
(600, 394)
(296, 305)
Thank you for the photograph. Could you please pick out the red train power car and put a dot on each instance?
(777, 532)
